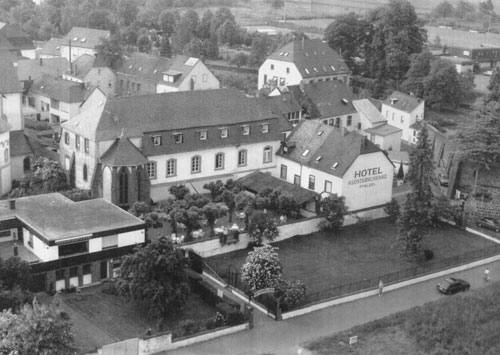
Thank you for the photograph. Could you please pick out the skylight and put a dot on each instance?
(345, 101)
(191, 61)
(75, 39)
(130, 66)
(307, 70)
(324, 69)
(305, 153)
(83, 40)
(320, 132)
(281, 53)
(333, 68)
(286, 53)
(335, 165)
(315, 69)
(307, 54)
(318, 159)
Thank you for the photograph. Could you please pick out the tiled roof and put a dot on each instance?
(53, 47)
(370, 111)
(403, 102)
(330, 98)
(84, 37)
(322, 147)
(82, 65)
(35, 68)
(9, 82)
(281, 104)
(151, 67)
(17, 37)
(137, 115)
(312, 58)
(59, 89)
(123, 153)
(259, 181)
(383, 130)
(49, 214)
(5, 44)
(19, 144)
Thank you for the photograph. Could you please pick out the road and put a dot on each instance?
(286, 337)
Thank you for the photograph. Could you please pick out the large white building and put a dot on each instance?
(302, 61)
(331, 160)
(405, 112)
(134, 148)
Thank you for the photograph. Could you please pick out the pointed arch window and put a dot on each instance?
(123, 186)
(85, 172)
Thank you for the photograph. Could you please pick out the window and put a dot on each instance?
(223, 133)
(282, 82)
(6, 155)
(296, 180)
(272, 66)
(204, 78)
(31, 101)
(265, 127)
(138, 86)
(179, 137)
(288, 70)
(171, 167)
(123, 186)
(87, 147)
(74, 248)
(203, 135)
(66, 138)
(121, 84)
(242, 157)
(87, 269)
(312, 181)
(359, 125)
(110, 84)
(193, 78)
(151, 169)
(393, 116)
(402, 119)
(349, 120)
(283, 171)
(337, 121)
(328, 186)
(85, 172)
(77, 141)
(195, 164)
(60, 274)
(157, 140)
(219, 161)
(268, 154)
(246, 130)
(54, 103)
(133, 86)
(110, 241)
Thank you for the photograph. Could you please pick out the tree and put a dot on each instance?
(228, 197)
(444, 9)
(262, 226)
(415, 219)
(212, 212)
(203, 29)
(333, 208)
(442, 87)
(110, 51)
(393, 210)
(228, 33)
(216, 189)
(239, 59)
(127, 10)
(494, 86)
(144, 43)
(486, 7)
(101, 19)
(165, 49)
(348, 35)
(244, 202)
(155, 275)
(287, 204)
(15, 272)
(258, 50)
(262, 268)
(168, 22)
(189, 217)
(419, 70)
(465, 9)
(179, 191)
(222, 15)
(36, 329)
(194, 48)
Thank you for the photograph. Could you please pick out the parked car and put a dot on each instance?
(452, 285)
(443, 180)
(489, 223)
(488, 73)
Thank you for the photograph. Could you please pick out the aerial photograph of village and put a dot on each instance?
(249, 177)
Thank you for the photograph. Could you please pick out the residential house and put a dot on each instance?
(68, 244)
(284, 104)
(405, 112)
(56, 100)
(52, 48)
(375, 126)
(92, 71)
(142, 73)
(134, 148)
(79, 41)
(302, 61)
(17, 145)
(21, 43)
(332, 160)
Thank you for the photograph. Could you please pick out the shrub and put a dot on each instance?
(333, 208)
(262, 268)
(393, 210)
(190, 327)
(290, 293)
(37, 125)
(428, 254)
(179, 191)
(262, 226)
(77, 195)
(110, 289)
(235, 318)
(219, 320)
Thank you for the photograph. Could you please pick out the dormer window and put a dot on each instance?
(317, 160)
(265, 127)
(305, 153)
(306, 70)
(333, 68)
(170, 76)
(335, 165)
(246, 130)
(156, 140)
(272, 66)
(178, 137)
(223, 132)
(203, 135)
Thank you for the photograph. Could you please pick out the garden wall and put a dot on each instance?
(164, 342)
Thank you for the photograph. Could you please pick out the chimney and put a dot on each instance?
(12, 204)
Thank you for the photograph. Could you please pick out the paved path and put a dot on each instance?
(286, 337)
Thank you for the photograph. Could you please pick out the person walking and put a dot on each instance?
(380, 288)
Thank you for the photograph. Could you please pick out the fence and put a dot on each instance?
(355, 287)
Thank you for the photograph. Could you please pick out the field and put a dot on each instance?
(358, 253)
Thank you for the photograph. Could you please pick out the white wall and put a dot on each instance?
(355, 118)
(95, 245)
(5, 165)
(361, 193)
(106, 184)
(29, 53)
(131, 238)
(255, 157)
(17, 167)
(40, 249)
(12, 108)
(402, 119)
(292, 78)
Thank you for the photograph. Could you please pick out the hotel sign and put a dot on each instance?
(367, 177)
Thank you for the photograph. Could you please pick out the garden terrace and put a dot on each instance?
(356, 258)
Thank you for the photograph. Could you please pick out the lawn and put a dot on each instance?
(463, 324)
(360, 252)
(119, 319)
